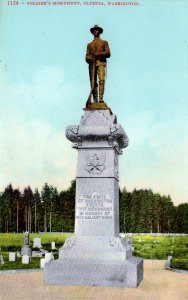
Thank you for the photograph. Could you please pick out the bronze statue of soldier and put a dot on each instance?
(97, 53)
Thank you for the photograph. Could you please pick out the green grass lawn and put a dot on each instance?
(160, 247)
(145, 246)
(11, 242)
(35, 263)
(14, 241)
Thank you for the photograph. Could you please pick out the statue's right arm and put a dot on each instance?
(89, 56)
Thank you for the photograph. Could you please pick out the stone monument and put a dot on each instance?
(37, 242)
(96, 255)
(26, 250)
(12, 256)
(26, 259)
(53, 246)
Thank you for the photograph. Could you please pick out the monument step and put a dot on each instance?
(97, 248)
(127, 273)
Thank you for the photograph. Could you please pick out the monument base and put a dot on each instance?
(95, 262)
(25, 250)
(128, 273)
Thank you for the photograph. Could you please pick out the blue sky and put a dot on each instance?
(44, 86)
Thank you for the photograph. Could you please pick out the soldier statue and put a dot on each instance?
(97, 53)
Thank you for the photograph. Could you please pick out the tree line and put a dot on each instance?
(145, 211)
(53, 211)
(34, 211)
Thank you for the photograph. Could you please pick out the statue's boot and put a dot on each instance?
(101, 90)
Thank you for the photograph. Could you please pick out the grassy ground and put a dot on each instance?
(35, 263)
(149, 247)
(11, 242)
(160, 247)
(14, 241)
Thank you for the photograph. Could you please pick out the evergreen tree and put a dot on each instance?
(182, 218)
(53, 201)
(6, 208)
(125, 199)
(67, 200)
(46, 194)
(37, 206)
(16, 209)
(28, 200)
(140, 211)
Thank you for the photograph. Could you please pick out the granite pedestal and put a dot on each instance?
(96, 255)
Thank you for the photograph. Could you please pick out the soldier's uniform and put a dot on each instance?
(101, 49)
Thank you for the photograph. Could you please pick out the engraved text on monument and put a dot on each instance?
(94, 206)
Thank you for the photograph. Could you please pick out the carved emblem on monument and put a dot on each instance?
(114, 242)
(118, 134)
(70, 242)
(95, 162)
(117, 243)
(72, 134)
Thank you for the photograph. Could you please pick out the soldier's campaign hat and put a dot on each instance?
(96, 27)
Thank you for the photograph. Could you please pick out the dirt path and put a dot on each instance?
(158, 284)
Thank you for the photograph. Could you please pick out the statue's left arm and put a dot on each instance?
(104, 51)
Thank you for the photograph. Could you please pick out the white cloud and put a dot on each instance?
(34, 149)
(33, 153)
(47, 94)
(157, 157)
(138, 127)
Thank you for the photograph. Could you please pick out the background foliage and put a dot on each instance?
(51, 211)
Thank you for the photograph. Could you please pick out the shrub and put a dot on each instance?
(180, 263)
